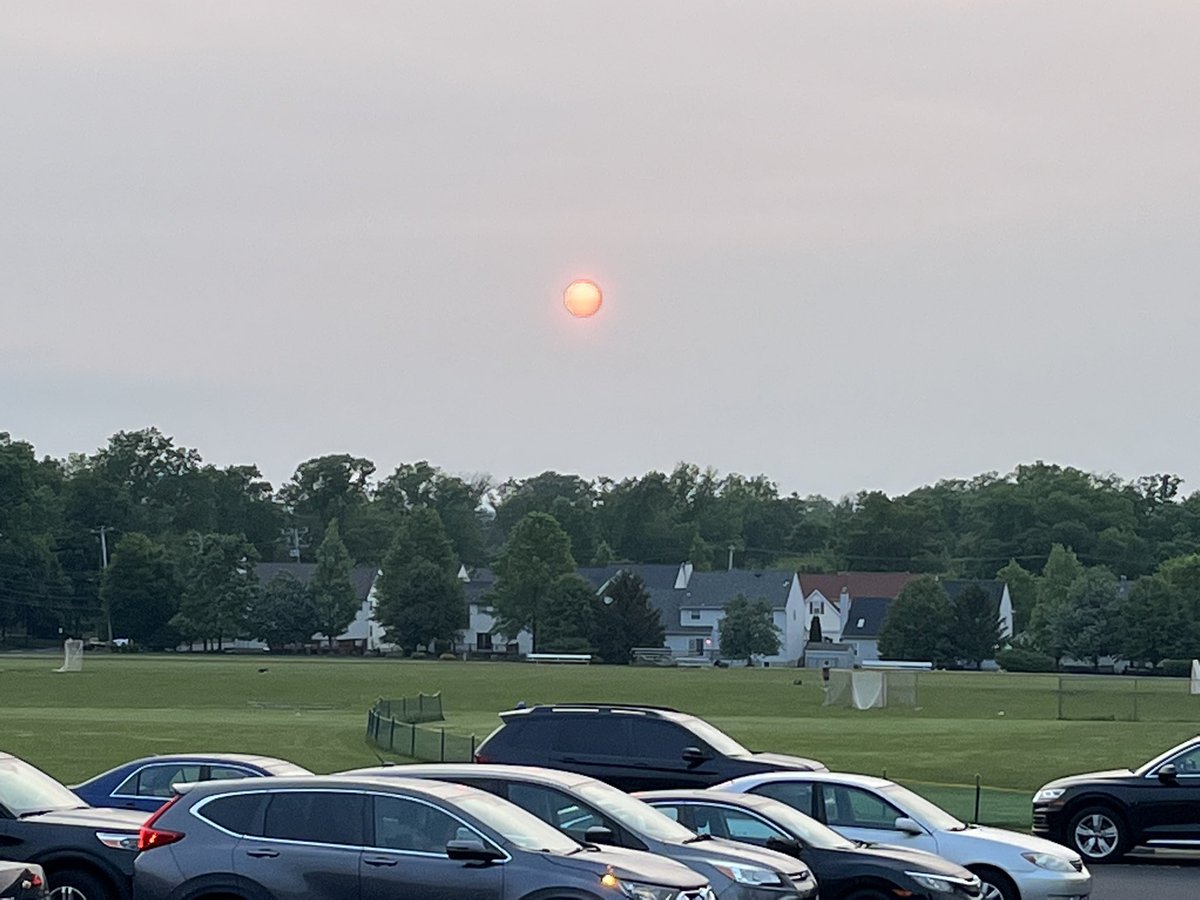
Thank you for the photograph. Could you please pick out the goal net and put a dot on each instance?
(1194, 684)
(871, 688)
(72, 657)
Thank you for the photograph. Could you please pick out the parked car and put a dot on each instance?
(314, 838)
(635, 748)
(592, 812)
(22, 881)
(1104, 814)
(845, 869)
(1012, 866)
(146, 783)
(88, 850)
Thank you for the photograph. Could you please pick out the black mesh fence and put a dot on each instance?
(401, 727)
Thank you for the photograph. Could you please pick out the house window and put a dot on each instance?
(861, 623)
(483, 641)
(695, 614)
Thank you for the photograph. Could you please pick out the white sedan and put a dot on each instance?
(1012, 866)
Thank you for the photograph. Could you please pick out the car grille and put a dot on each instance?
(1041, 822)
(700, 894)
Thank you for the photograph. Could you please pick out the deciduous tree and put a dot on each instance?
(748, 629)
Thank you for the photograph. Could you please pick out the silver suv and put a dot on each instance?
(327, 839)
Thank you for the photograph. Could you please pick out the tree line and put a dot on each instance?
(143, 497)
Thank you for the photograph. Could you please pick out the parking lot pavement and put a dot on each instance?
(1164, 877)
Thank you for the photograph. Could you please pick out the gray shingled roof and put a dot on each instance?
(955, 587)
(655, 575)
(716, 589)
(871, 611)
(362, 577)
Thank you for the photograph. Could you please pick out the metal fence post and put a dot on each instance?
(412, 740)
(978, 791)
(443, 759)
(472, 759)
(392, 735)
(1060, 695)
(1135, 700)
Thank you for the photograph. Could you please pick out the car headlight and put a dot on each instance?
(942, 883)
(1045, 795)
(1051, 861)
(743, 874)
(635, 890)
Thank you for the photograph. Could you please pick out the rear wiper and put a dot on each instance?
(698, 838)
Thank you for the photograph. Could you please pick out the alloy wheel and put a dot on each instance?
(990, 891)
(1096, 835)
(66, 892)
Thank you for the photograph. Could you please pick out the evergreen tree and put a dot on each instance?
(624, 619)
(420, 598)
(537, 552)
(333, 593)
(919, 624)
(569, 623)
(748, 628)
(976, 633)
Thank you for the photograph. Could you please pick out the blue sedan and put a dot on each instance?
(146, 783)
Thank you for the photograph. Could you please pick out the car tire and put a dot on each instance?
(79, 884)
(996, 885)
(1098, 834)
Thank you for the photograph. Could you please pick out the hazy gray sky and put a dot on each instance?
(846, 245)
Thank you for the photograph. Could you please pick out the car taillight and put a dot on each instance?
(150, 837)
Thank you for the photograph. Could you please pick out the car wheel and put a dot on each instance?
(1098, 834)
(76, 884)
(995, 884)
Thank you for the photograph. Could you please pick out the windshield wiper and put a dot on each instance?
(35, 812)
(698, 838)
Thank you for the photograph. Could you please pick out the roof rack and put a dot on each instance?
(544, 707)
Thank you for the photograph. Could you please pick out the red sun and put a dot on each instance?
(582, 298)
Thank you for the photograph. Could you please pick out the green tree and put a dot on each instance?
(332, 591)
(457, 502)
(1157, 623)
(283, 613)
(537, 552)
(624, 619)
(748, 628)
(220, 587)
(1022, 590)
(140, 592)
(919, 624)
(1092, 618)
(1051, 621)
(420, 599)
(569, 622)
(327, 487)
(976, 633)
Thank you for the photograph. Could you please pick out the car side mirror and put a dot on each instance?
(599, 834)
(1168, 774)
(790, 846)
(693, 755)
(908, 826)
(472, 851)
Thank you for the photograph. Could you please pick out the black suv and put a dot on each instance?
(87, 850)
(313, 838)
(1104, 814)
(635, 748)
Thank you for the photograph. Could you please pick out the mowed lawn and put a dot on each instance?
(313, 711)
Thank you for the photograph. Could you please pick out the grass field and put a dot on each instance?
(313, 711)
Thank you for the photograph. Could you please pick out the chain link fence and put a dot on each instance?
(402, 727)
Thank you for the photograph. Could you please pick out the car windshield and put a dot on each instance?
(635, 815)
(1146, 768)
(25, 789)
(714, 737)
(807, 829)
(522, 829)
(917, 807)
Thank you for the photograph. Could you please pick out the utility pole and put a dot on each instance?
(731, 548)
(103, 566)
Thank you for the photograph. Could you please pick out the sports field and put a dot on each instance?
(313, 711)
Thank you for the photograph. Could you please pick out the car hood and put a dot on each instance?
(1016, 840)
(1089, 778)
(783, 761)
(634, 865)
(89, 817)
(909, 858)
(735, 851)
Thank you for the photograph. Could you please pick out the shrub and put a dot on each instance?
(419, 654)
(1176, 668)
(450, 657)
(1017, 660)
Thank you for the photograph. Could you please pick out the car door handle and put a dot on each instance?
(263, 853)
(380, 860)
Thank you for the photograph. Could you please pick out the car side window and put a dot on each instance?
(237, 813)
(749, 828)
(403, 824)
(796, 794)
(220, 772)
(1188, 762)
(156, 780)
(657, 739)
(591, 735)
(558, 809)
(853, 807)
(319, 817)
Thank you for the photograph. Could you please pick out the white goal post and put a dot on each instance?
(871, 688)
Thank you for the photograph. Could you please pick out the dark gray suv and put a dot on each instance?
(332, 838)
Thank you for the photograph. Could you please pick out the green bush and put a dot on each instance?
(1176, 668)
(419, 654)
(1018, 660)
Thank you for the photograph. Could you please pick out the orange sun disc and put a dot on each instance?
(582, 298)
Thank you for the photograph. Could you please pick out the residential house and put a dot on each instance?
(480, 634)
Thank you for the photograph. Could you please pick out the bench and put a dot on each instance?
(584, 658)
